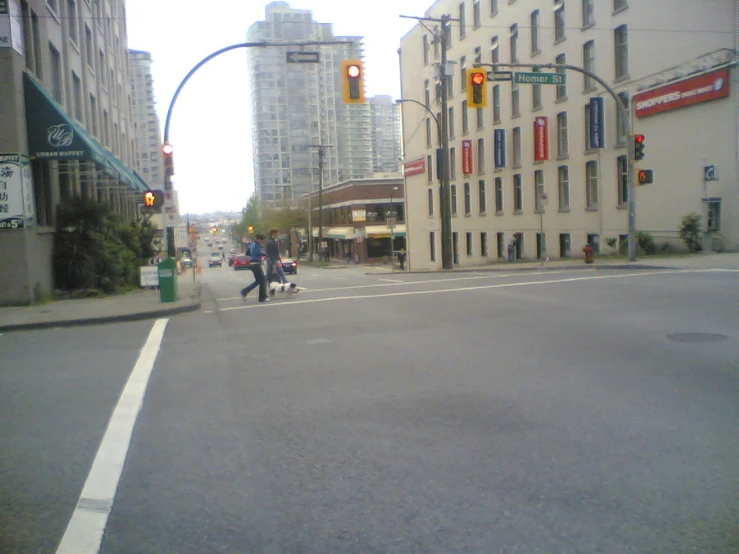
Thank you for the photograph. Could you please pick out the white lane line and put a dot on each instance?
(501, 276)
(392, 280)
(463, 289)
(85, 530)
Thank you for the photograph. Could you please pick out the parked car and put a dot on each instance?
(215, 260)
(186, 261)
(233, 251)
(241, 262)
(289, 266)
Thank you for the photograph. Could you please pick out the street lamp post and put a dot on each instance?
(392, 228)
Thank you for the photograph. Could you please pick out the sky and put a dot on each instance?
(210, 129)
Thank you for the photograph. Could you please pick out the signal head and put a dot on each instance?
(478, 78)
(167, 149)
(353, 71)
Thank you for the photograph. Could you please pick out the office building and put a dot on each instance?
(385, 125)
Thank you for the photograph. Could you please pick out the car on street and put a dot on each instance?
(289, 266)
(241, 262)
(233, 251)
(215, 260)
(186, 261)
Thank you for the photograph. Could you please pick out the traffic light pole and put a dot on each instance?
(321, 154)
(445, 210)
(629, 134)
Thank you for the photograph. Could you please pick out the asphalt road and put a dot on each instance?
(543, 411)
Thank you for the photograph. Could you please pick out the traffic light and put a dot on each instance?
(645, 176)
(639, 145)
(167, 152)
(153, 199)
(352, 77)
(476, 93)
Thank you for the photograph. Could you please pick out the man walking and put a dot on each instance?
(255, 264)
(273, 257)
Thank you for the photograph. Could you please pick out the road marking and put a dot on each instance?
(392, 280)
(85, 530)
(464, 289)
(501, 276)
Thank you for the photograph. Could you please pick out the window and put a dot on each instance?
(621, 122)
(88, 47)
(52, 5)
(587, 128)
(463, 72)
(106, 129)
(431, 202)
(484, 245)
(517, 147)
(482, 196)
(476, 13)
(619, 5)
(514, 43)
(588, 63)
(465, 118)
(563, 184)
(454, 199)
(425, 49)
(588, 13)
(56, 74)
(536, 93)
(450, 86)
(515, 100)
(72, 21)
(500, 244)
(436, 42)
(452, 163)
(428, 132)
(478, 54)
(467, 199)
(427, 93)
(77, 92)
(538, 189)
(496, 104)
(591, 184)
(561, 90)
(36, 45)
(499, 195)
(713, 218)
(563, 148)
(622, 178)
(493, 7)
(93, 115)
(101, 67)
(559, 20)
(517, 194)
(468, 243)
(494, 50)
(534, 32)
(432, 246)
(429, 169)
(462, 21)
(447, 30)
(621, 51)
(451, 122)
(480, 156)
(480, 115)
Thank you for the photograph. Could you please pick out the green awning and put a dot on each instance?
(53, 135)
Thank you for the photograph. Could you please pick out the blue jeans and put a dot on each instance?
(271, 266)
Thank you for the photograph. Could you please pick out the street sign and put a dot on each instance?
(391, 221)
(711, 200)
(500, 75)
(544, 199)
(709, 173)
(540, 78)
(302, 57)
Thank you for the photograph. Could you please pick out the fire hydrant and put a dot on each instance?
(588, 249)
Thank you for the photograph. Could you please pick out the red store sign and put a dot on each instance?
(414, 168)
(466, 157)
(678, 95)
(541, 138)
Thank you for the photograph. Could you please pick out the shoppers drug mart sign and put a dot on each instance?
(684, 93)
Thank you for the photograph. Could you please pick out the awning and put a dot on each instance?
(382, 231)
(346, 233)
(53, 135)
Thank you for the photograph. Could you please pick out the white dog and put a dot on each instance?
(280, 290)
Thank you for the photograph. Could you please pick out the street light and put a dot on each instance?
(392, 229)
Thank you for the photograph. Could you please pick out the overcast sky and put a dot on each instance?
(210, 129)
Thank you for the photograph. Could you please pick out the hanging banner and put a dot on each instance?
(499, 147)
(415, 167)
(541, 138)
(596, 135)
(466, 157)
(16, 193)
(702, 88)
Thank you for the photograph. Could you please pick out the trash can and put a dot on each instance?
(168, 280)
(588, 249)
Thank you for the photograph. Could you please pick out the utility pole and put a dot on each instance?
(321, 154)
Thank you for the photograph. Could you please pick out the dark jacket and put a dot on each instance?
(256, 253)
(273, 251)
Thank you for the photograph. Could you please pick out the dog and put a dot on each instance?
(280, 290)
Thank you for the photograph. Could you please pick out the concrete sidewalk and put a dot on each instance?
(140, 304)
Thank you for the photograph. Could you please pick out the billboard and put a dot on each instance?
(695, 90)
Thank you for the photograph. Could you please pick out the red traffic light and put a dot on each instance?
(167, 149)
(353, 71)
(477, 78)
(639, 139)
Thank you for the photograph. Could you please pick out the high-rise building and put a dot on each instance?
(147, 131)
(385, 122)
(67, 128)
(298, 106)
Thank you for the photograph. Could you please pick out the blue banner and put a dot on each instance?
(499, 147)
(596, 131)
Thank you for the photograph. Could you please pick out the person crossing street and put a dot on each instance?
(255, 265)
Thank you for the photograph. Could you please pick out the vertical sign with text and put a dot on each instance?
(541, 138)
(466, 157)
(499, 147)
(17, 209)
(595, 115)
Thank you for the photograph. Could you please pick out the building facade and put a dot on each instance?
(147, 130)
(385, 125)
(530, 165)
(298, 106)
(67, 128)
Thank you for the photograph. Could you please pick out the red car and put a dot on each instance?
(241, 262)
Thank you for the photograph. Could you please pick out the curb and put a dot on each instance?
(513, 269)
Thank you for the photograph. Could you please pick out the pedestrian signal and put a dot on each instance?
(153, 199)
(352, 77)
(645, 176)
(476, 93)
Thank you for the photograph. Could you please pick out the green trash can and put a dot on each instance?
(168, 280)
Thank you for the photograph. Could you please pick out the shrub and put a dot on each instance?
(690, 232)
(646, 242)
(612, 242)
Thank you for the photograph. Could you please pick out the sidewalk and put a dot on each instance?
(140, 304)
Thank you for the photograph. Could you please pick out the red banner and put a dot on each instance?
(684, 93)
(541, 138)
(466, 157)
(414, 168)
